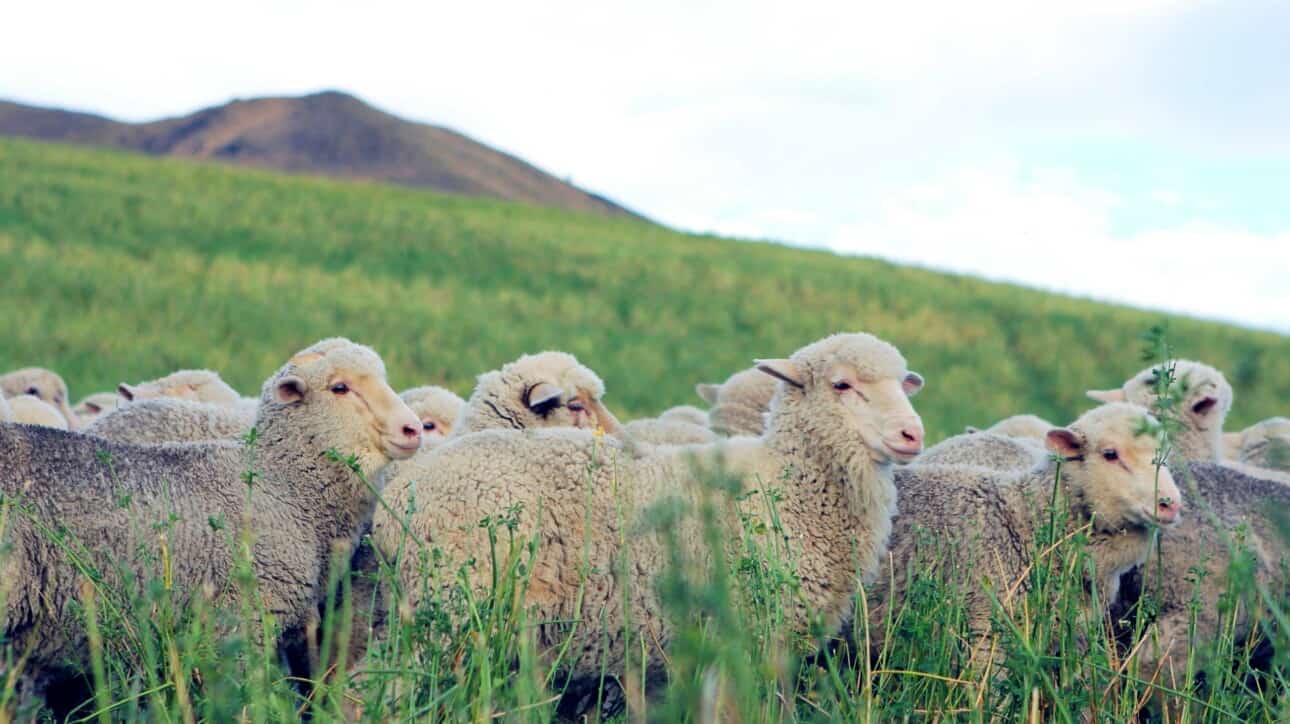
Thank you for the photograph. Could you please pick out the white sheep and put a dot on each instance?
(840, 418)
(657, 431)
(94, 405)
(6, 413)
(195, 385)
(42, 383)
(738, 405)
(965, 524)
(1265, 444)
(1025, 426)
(1207, 398)
(31, 410)
(329, 397)
(549, 389)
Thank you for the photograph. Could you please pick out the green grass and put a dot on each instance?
(123, 268)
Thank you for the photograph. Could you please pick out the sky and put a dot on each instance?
(1129, 150)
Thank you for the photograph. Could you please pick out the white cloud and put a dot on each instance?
(1165, 197)
(1047, 230)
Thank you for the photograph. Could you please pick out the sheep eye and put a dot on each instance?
(576, 407)
(428, 426)
(340, 388)
(33, 391)
(841, 386)
(1110, 455)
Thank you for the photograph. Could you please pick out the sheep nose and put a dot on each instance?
(412, 432)
(1168, 509)
(913, 436)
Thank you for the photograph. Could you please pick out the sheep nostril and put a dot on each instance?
(412, 431)
(913, 437)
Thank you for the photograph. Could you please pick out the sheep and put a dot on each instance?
(31, 410)
(987, 450)
(1194, 562)
(739, 404)
(171, 419)
(300, 503)
(196, 385)
(438, 409)
(984, 522)
(840, 418)
(685, 413)
(1032, 427)
(549, 389)
(657, 431)
(42, 383)
(6, 413)
(94, 405)
(1265, 444)
(1207, 398)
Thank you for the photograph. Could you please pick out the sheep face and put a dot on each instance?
(1109, 467)
(336, 390)
(90, 408)
(42, 384)
(857, 383)
(438, 409)
(578, 407)
(195, 385)
(1207, 398)
(31, 410)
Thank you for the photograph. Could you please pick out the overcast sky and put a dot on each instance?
(1133, 150)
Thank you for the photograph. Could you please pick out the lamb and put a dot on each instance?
(88, 409)
(1265, 444)
(6, 413)
(549, 389)
(171, 419)
(196, 385)
(1032, 427)
(438, 409)
(839, 419)
(739, 404)
(1207, 398)
(984, 523)
(1239, 507)
(986, 450)
(302, 502)
(42, 383)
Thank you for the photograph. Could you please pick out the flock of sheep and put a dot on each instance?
(823, 427)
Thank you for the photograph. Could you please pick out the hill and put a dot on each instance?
(124, 267)
(329, 134)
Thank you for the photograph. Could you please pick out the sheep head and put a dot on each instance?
(336, 394)
(1109, 468)
(1206, 400)
(196, 385)
(856, 383)
(45, 385)
(438, 409)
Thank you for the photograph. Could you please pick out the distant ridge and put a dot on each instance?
(329, 133)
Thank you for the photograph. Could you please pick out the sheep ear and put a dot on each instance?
(1205, 404)
(708, 392)
(1116, 395)
(542, 397)
(125, 391)
(783, 369)
(604, 418)
(912, 383)
(971, 430)
(290, 390)
(1065, 443)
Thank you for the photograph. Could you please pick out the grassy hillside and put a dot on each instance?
(121, 267)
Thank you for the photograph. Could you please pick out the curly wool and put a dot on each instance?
(1265, 444)
(172, 419)
(300, 505)
(686, 413)
(657, 431)
(1031, 427)
(42, 383)
(6, 413)
(836, 507)
(986, 450)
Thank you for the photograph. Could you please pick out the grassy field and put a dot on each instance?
(121, 267)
